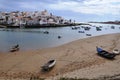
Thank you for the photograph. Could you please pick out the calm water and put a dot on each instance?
(36, 38)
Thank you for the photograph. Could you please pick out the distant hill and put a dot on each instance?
(108, 22)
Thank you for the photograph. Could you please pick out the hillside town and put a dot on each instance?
(36, 18)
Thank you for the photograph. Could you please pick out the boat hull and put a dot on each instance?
(105, 54)
(48, 66)
(14, 49)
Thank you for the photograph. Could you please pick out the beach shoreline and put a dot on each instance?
(74, 59)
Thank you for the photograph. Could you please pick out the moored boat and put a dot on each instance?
(15, 48)
(88, 34)
(49, 65)
(81, 31)
(46, 32)
(105, 53)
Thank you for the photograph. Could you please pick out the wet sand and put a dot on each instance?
(76, 59)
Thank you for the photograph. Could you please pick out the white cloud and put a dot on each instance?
(98, 7)
(32, 5)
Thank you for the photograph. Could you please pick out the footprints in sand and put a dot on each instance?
(67, 53)
(70, 52)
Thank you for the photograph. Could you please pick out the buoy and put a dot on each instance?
(59, 37)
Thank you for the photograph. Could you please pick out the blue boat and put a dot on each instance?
(105, 54)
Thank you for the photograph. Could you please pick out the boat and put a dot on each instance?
(49, 65)
(81, 31)
(112, 27)
(46, 32)
(98, 29)
(15, 48)
(74, 28)
(88, 34)
(87, 28)
(116, 51)
(105, 53)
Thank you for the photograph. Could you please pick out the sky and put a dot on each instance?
(79, 10)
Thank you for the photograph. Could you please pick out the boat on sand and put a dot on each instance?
(15, 48)
(105, 54)
(49, 65)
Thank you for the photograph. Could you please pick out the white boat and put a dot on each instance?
(15, 48)
(116, 51)
(49, 65)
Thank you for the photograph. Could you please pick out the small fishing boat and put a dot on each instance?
(15, 48)
(49, 65)
(46, 32)
(112, 27)
(98, 29)
(105, 54)
(116, 51)
(87, 28)
(88, 34)
(74, 28)
(81, 31)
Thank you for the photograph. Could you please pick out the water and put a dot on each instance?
(36, 38)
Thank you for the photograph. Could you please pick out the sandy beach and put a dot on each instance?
(77, 59)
